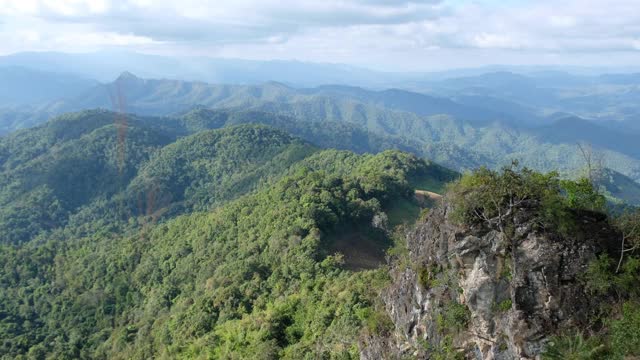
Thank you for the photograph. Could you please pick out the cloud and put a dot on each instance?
(355, 31)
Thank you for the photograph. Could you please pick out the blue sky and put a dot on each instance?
(383, 34)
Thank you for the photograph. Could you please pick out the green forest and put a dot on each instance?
(211, 237)
(230, 256)
(319, 180)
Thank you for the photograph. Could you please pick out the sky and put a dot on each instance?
(392, 35)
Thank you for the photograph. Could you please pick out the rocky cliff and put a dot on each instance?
(475, 292)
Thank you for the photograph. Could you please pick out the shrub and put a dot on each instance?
(574, 347)
(454, 317)
(493, 198)
(581, 194)
(599, 277)
(504, 305)
(625, 331)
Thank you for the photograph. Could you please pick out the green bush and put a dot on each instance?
(492, 198)
(574, 347)
(581, 194)
(599, 275)
(625, 331)
(428, 276)
(504, 306)
(455, 317)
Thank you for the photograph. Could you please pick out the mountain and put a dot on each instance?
(162, 97)
(211, 167)
(469, 286)
(463, 132)
(575, 129)
(66, 169)
(51, 171)
(216, 70)
(23, 86)
(289, 268)
(79, 167)
(620, 187)
(325, 134)
(297, 267)
(602, 97)
(12, 118)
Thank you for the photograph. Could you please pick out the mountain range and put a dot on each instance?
(473, 122)
(470, 214)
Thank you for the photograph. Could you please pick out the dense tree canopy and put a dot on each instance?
(253, 278)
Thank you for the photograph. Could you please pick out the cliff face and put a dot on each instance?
(478, 293)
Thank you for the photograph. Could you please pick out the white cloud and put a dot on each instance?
(355, 31)
(563, 21)
(495, 41)
(88, 40)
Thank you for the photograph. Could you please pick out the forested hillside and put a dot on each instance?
(319, 180)
(232, 234)
(173, 240)
(472, 127)
(83, 167)
(257, 277)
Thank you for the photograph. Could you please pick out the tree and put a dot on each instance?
(629, 226)
(493, 197)
(582, 194)
(594, 162)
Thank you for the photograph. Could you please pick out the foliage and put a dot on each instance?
(455, 317)
(428, 276)
(493, 198)
(602, 278)
(249, 279)
(85, 165)
(574, 347)
(599, 275)
(628, 223)
(625, 331)
(581, 194)
(504, 305)
(445, 350)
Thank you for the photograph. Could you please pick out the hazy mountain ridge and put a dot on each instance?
(23, 86)
(229, 233)
(243, 241)
(478, 130)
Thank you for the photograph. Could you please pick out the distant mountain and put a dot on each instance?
(576, 130)
(603, 97)
(620, 187)
(162, 97)
(457, 144)
(326, 134)
(216, 70)
(588, 93)
(461, 134)
(12, 118)
(23, 86)
(621, 79)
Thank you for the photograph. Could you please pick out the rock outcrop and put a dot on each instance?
(479, 293)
